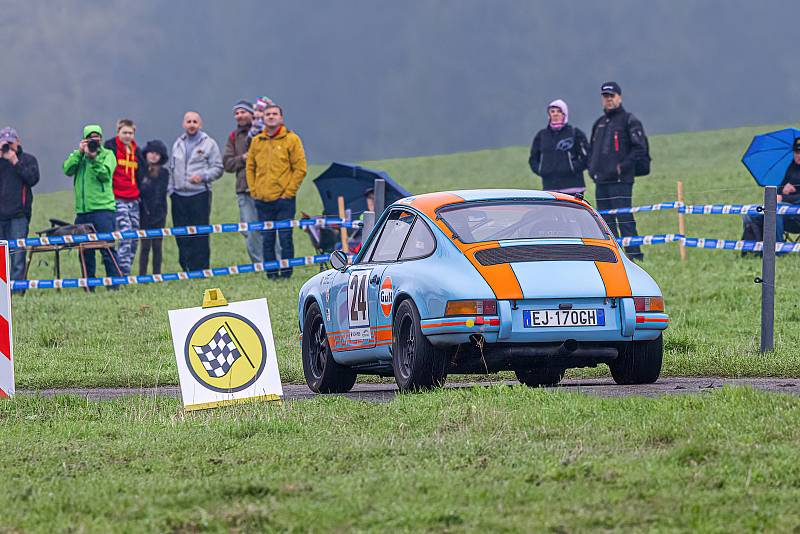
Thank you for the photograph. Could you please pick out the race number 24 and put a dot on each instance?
(357, 299)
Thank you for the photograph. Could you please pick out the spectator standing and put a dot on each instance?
(125, 182)
(618, 140)
(91, 165)
(153, 194)
(258, 117)
(19, 171)
(234, 159)
(559, 152)
(195, 163)
(276, 166)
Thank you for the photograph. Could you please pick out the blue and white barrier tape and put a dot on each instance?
(705, 242)
(184, 275)
(637, 209)
(181, 231)
(658, 239)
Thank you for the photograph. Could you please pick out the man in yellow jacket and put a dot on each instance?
(276, 166)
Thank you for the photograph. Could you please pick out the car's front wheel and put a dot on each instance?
(323, 374)
(639, 362)
(542, 377)
(416, 362)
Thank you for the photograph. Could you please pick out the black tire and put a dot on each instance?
(540, 377)
(416, 362)
(639, 362)
(323, 374)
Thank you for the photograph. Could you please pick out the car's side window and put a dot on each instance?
(420, 242)
(392, 236)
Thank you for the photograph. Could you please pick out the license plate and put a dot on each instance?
(554, 318)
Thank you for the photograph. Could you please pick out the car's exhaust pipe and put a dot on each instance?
(567, 348)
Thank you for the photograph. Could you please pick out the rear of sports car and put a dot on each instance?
(565, 296)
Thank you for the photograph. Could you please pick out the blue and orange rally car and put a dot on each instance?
(478, 282)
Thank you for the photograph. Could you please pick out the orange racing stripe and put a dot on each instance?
(614, 276)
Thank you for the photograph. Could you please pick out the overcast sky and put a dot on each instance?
(373, 79)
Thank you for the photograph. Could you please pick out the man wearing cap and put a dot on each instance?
(195, 163)
(19, 171)
(276, 166)
(234, 159)
(617, 141)
(91, 165)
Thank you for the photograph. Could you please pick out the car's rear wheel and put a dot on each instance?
(541, 377)
(323, 374)
(639, 362)
(416, 362)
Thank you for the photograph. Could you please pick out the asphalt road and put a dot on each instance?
(604, 387)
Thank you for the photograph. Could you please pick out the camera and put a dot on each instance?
(93, 145)
(5, 148)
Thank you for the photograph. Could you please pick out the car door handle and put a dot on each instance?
(374, 280)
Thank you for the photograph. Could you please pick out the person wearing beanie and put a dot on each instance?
(92, 166)
(234, 159)
(125, 183)
(258, 116)
(153, 194)
(19, 172)
(559, 152)
(617, 143)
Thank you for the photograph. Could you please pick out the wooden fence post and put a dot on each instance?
(342, 229)
(681, 221)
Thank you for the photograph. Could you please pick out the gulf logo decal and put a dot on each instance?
(386, 296)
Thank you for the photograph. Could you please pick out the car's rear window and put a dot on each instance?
(500, 220)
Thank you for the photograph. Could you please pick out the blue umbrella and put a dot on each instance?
(351, 182)
(769, 155)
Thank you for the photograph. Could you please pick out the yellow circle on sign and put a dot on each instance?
(225, 352)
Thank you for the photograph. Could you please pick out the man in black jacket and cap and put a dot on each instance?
(19, 171)
(618, 140)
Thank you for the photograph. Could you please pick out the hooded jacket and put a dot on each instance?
(559, 157)
(130, 167)
(617, 140)
(16, 197)
(92, 177)
(205, 161)
(276, 165)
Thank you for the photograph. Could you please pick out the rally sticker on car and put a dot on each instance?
(386, 296)
(357, 288)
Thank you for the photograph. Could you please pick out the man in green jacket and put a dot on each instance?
(92, 167)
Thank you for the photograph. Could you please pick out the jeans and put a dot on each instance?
(103, 221)
(781, 222)
(277, 210)
(127, 219)
(254, 240)
(11, 229)
(194, 252)
(613, 196)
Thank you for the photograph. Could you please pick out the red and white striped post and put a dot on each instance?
(6, 340)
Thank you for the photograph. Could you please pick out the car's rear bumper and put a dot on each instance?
(622, 323)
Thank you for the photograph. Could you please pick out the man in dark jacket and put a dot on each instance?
(19, 171)
(234, 159)
(618, 140)
(559, 152)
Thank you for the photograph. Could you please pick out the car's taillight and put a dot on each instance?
(471, 307)
(649, 304)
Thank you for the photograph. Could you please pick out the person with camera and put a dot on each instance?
(125, 183)
(195, 163)
(91, 166)
(19, 171)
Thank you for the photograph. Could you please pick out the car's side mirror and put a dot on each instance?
(339, 260)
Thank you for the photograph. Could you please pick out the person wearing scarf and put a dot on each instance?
(559, 152)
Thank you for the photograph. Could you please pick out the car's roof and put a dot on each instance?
(428, 203)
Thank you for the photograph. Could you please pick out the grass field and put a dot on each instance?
(70, 338)
(483, 459)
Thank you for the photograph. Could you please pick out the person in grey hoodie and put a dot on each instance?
(196, 162)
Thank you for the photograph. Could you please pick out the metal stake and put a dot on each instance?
(768, 271)
(380, 196)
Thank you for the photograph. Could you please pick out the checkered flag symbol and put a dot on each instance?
(219, 354)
